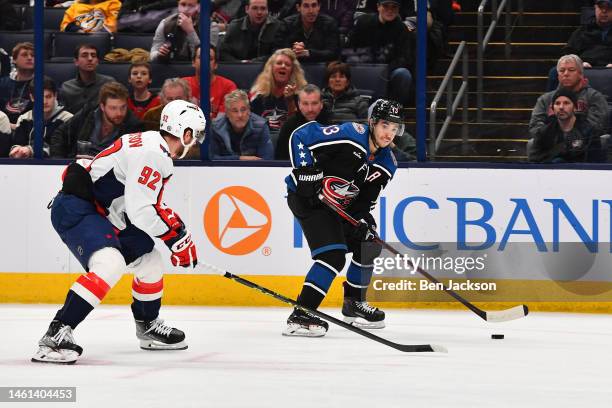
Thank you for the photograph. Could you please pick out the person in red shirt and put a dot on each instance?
(219, 86)
(141, 99)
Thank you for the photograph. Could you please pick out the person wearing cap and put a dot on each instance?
(590, 103)
(382, 38)
(593, 42)
(566, 137)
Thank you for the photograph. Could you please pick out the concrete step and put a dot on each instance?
(500, 83)
(489, 114)
(540, 33)
(518, 49)
(571, 18)
(495, 99)
(528, 5)
(483, 150)
(511, 67)
(485, 130)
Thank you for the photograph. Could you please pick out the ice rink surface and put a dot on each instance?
(237, 358)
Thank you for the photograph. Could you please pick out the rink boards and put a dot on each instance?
(240, 221)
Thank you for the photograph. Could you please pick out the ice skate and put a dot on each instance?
(155, 335)
(304, 324)
(361, 314)
(57, 346)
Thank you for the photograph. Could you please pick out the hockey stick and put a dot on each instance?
(512, 313)
(407, 348)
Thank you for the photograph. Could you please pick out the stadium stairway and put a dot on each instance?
(511, 86)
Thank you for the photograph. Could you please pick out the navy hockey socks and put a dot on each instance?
(146, 311)
(74, 311)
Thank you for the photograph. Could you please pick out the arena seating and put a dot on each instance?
(52, 19)
(64, 44)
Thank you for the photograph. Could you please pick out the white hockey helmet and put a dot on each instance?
(179, 116)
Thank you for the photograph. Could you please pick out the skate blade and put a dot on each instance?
(363, 323)
(297, 330)
(158, 346)
(47, 355)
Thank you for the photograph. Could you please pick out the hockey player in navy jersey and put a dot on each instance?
(107, 213)
(349, 164)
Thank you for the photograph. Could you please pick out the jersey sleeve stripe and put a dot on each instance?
(333, 142)
(383, 169)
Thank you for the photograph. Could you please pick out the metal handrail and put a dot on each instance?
(483, 41)
(451, 104)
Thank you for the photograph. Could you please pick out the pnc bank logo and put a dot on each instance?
(237, 220)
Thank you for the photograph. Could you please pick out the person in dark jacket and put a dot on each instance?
(14, 92)
(99, 127)
(239, 134)
(250, 38)
(593, 42)
(310, 107)
(313, 36)
(382, 38)
(54, 114)
(342, 11)
(340, 98)
(566, 137)
(10, 20)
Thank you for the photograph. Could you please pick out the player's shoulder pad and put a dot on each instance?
(387, 161)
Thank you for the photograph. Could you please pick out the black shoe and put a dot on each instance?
(57, 346)
(155, 335)
(302, 323)
(361, 314)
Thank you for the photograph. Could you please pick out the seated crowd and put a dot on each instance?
(569, 123)
(97, 108)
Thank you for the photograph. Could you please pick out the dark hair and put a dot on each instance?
(299, 2)
(140, 64)
(78, 48)
(337, 66)
(113, 90)
(48, 85)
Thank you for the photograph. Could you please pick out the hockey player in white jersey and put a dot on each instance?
(107, 213)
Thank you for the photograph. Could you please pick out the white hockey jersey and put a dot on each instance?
(129, 178)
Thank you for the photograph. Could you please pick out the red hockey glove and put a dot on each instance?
(183, 250)
(178, 239)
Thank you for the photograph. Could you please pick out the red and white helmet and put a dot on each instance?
(179, 116)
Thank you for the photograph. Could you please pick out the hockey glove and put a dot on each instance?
(365, 231)
(307, 181)
(178, 239)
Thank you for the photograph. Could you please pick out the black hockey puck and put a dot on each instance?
(497, 336)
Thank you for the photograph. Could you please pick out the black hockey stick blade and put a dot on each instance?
(407, 348)
(513, 313)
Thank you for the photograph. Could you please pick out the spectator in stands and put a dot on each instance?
(54, 115)
(340, 98)
(565, 136)
(176, 37)
(10, 20)
(312, 36)
(219, 85)
(590, 102)
(310, 107)
(100, 126)
(172, 89)
(141, 98)
(382, 38)
(91, 16)
(142, 16)
(278, 9)
(14, 97)
(436, 30)
(82, 90)
(250, 38)
(5, 134)
(593, 42)
(273, 93)
(342, 11)
(240, 134)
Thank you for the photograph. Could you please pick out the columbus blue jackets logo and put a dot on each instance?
(359, 128)
(339, 191)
